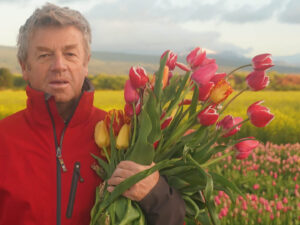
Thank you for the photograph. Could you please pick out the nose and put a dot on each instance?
(58, 64)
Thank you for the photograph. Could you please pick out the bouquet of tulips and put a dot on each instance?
(178, 123)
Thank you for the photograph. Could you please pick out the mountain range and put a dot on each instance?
(114, 63)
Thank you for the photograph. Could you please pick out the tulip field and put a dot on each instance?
(269, 177)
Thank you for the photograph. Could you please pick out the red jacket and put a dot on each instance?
(31, 179)
(34, 189)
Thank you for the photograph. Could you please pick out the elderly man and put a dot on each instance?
(45, 145)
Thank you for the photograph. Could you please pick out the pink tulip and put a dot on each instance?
(227, 123)
(262, 62)
(204, 91)
(196, 57)
(183, 67)
(245, 147)
(217, 77)
(208, 116)
(256, 186)
(130, 93)
(203, 74)
(257, 80)
(171, 61)
(138, 77)
(129, 109)
(259, 116)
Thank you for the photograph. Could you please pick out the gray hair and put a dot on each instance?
(52, 15)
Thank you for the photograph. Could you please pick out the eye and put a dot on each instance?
(70, 54)
(43, 56)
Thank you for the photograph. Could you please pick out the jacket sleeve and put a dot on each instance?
(163, 205)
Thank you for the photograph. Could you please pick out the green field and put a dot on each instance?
(285, 128)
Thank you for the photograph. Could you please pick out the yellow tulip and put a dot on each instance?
(101, 135)
(220, 92)
(123, 137)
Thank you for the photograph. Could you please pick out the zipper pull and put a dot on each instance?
(77, 170)
(76, 176)
(60, 159)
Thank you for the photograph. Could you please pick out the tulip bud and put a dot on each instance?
(183, 67)
(208, 116)
(227, 123)
(244, 147)
(202, 75)
(101, 135)
(204, 91)
(138, 77)
(220, 92)
(171, 61)
(259, 116)
(217, 77)
(130, 93)
(128, 109)
(166, 122)
(262, 62)
(196, 57)
(122, 141)
(257, 80)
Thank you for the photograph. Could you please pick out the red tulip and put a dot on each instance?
(227, 123)
(204, 91)
(217, 77)
(208, 116)
(196, 57)
(166, 122)
(138, 77)
(128, 109)
(244, 147)
(119, 120)
(204, 74)
(259, 116)
(257, 80)
(183, 67)
(155, 144)
(130, 93)
(185, 102)
(171, 61)
(262, 62)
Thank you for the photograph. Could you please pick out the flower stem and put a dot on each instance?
(106, 154)
(231, 100)
(134, 125)
(207, 164)
(237, 70)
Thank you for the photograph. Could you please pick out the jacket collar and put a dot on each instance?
(37, 107)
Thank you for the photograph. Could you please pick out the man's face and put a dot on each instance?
(56, 62)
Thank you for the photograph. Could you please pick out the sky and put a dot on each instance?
(244, 27)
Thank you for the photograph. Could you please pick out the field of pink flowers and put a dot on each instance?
(270, 180)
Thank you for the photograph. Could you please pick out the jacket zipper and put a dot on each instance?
(59, 164)
(76, 176)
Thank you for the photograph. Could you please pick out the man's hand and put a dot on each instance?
(139, 190)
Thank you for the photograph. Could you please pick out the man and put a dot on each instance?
(48, 143)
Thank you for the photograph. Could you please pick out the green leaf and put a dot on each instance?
(143, 151)
(177, 182)
(154, 113)
(191, 206)
(159, 76)
(103, 164)
(178, 95)
(194, 102)
(131, 214)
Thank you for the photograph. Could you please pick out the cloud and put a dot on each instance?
(291, 13)
(250, 13)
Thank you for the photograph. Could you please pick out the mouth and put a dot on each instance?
(58, 84)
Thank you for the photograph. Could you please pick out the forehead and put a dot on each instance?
(54, 37)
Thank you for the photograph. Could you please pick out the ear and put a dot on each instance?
(86, 65)
(24, 70)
